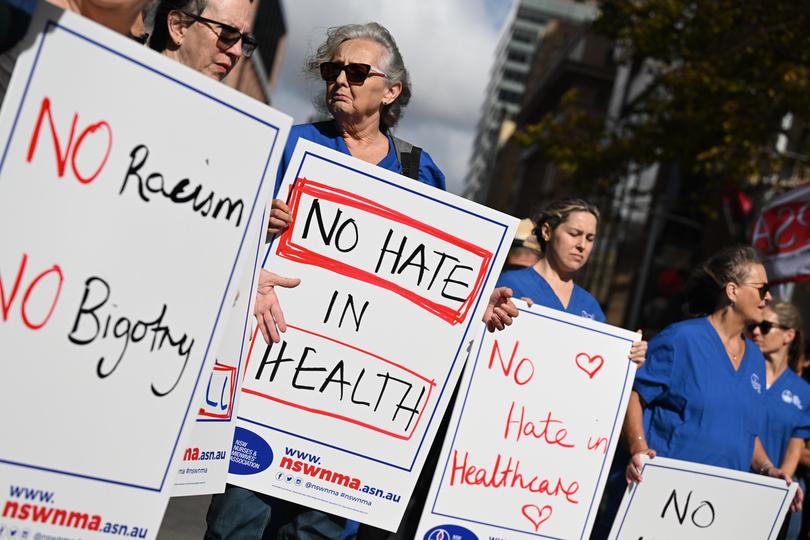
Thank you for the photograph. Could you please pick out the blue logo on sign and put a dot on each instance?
(450, 532)
(250, 453)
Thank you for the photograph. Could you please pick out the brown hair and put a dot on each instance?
(706, 287)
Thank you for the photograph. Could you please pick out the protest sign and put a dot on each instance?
(533, 431)
(679, 499)
(127, 194)
(395, 277)
(202, 462)
(781, 233)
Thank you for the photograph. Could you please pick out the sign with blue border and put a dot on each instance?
(534, 429)
(125, 211)
(680, 499)
(395, 277)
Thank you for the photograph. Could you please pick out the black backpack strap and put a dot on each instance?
(409, 157)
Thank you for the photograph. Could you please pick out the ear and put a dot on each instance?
(790, 335)
(731, 291)
(392, 93)
(177, 27)
(545, 231)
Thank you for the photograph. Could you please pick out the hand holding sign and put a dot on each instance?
(280, 217)
(500, 309)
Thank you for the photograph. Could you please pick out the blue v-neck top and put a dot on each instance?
(697, 406)
(528, 283)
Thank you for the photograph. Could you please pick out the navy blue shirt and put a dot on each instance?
(528, 283)
(787, 410)
(326, 134)
(697, 406)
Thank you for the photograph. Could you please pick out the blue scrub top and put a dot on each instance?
(326, 134)
(697, 407)
(787, 410)
(528, 283)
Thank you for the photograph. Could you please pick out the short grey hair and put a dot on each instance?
(393, 65)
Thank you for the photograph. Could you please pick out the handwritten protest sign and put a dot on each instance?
(533, 431)
(124, 210)
(679, 499)
(203, 460)
(395, 277)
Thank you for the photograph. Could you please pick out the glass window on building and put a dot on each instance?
(510, 96)
(514, 75)
(517, 56)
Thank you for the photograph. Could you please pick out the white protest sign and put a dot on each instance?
(129, 185)
(202, 462)
(395, 277)
(533, 432)
(684, 500)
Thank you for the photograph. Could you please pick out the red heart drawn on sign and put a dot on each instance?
(542, 514)
(589, 364)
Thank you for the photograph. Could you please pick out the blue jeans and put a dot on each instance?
(241, 514)
(795, 518)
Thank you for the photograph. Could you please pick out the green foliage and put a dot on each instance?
(722, 74)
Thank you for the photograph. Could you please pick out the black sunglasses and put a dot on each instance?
(765, 327)
(763, 289)
(228, 35)
(355, 73)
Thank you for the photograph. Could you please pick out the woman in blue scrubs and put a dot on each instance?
(700, 395)
(780, 337)
(566, 230)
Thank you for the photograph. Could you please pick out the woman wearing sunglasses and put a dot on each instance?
(780, 337)
(700, 394)
(366, 89)
(209, 36)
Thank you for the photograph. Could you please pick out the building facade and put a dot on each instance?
(504, 94)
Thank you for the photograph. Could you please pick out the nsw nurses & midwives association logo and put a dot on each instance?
(755, 383)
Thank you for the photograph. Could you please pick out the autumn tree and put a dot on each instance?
(721, 76)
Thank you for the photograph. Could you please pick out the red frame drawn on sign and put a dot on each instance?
(300, 254)
(430, 383)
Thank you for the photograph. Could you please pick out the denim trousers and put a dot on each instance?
(241, 514)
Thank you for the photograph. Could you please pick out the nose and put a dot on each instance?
(235, 50)
(341, 78)
(768, 297)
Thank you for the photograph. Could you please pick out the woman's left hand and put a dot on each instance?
(279, 219)
(798, 499)
(638, 352)
(500, 309)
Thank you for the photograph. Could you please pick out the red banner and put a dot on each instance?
(782, 235)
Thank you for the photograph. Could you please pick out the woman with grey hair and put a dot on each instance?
(366, 88)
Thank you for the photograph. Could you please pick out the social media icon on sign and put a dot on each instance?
(279, 475)
(12, 532)
(298, 481)
(289, 478)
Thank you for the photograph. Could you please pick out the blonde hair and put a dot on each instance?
(557, 212)
(790, 317)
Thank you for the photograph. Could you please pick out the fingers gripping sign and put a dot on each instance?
(500, 309)
(280, 218)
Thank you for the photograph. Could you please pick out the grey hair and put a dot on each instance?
(393, 65)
